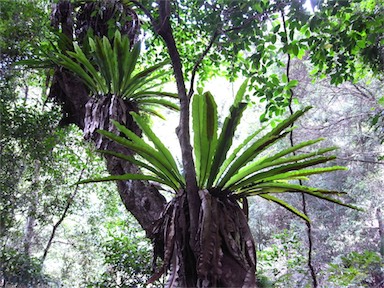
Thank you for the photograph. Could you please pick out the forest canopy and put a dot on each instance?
(253, 194)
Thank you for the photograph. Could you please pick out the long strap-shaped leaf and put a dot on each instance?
(289, 171)
(141, 79)
(205, 122)
(71, 65)
(107, 52)
(285, 205)
(271, 162)
(118, 54)
(141, 164)
(123, 177)
(260, 145)
(160, 102)
(144, 94)
(82, 58)
(159, 145)
(236, 151)
(279, 187)
(151, 111)
(129, 64)
(291, 175)
(147, 152)
(101, 60)
(224, 142)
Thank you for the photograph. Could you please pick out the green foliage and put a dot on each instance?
(161, 163)
(110, 68)
(349, 30)
(21, 269)
(22, 22)
(243, 172)
(283, 261)
(127, 256)
(341, 40)
(356, 269)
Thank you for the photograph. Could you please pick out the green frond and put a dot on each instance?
(110, 67)
(205, 122)
(139, 146)
(151, 94)
(71, 65)
(158, 102)
(158, 144)
(285, 205)
(287, 172)
(280, 187)
(249, 154)
(225, 139)
(138, 163)
(124, 177)
(276, 161)
(151, 111)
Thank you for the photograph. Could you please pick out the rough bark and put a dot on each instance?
(142, 199)
(223, 254)
(204, 241)
(164, 29)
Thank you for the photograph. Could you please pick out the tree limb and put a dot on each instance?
(144, 9)
(198, 62)
(303, 200)
(183, 132)
(61, 219)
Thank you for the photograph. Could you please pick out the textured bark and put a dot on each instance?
(207, 241)
(142, 199)
(223, 253)
(164, 29)
(204, 241)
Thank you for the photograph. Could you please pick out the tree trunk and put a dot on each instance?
(222, 253)
(31, 217)
(380, 220)
(212, 244)
(204, 241)
(140, 198)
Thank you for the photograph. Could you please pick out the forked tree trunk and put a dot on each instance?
(204, 240)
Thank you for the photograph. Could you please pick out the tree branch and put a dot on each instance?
(164, 29)
(361, 160)
(144, 9)
(61, 219)
(198, 62)
(303, 200)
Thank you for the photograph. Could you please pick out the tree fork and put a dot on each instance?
(164, 29)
